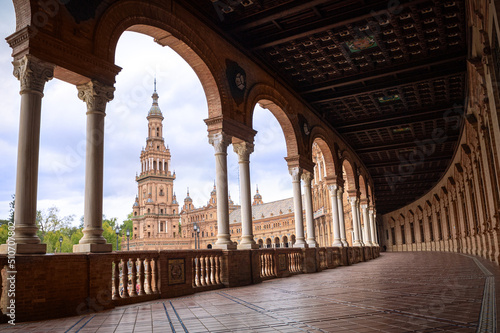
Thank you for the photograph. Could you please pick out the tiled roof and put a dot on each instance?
(260, 212)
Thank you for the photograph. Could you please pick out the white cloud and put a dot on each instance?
(183, 103)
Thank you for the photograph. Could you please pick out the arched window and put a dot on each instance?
(135, 213)
(149, 210)
(157, 131)
(161, 211)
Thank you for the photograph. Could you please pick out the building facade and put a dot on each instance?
(159, 223)
(155, 211)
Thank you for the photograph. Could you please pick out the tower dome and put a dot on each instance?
(257, 198)
(155, 109)
(188, 198)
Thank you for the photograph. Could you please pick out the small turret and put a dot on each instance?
(257, 198)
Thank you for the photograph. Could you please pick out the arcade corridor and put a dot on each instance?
(398, 292)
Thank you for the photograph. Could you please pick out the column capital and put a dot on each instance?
(32, 73)
(307, 177)
(353, 200)
(364, 206)
(340, 190)
(243, 149)
(333, 188)
(296, 173)
(220, 141)
(96, 95)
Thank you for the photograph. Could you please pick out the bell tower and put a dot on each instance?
(156, 211)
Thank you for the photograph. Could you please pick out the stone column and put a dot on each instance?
(95, 95)
(296, 174)
(355, 222)
(368, 234)
(220, 141)
(335, 216)
(340, 204)
(244, 149)
(32, 74)
(373, 227)
(311, 237)
(360, 227)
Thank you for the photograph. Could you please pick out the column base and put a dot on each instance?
(312, 243)
(357, 243)
(344, 242)
(300, 245)
(93, 248)
(23, 249)
(229, 246)
(247, 246)
(337, 244)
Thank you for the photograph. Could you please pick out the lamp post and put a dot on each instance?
(195, 234)
(128, 237)
(117, 235)
(198, 232)
(60, 244)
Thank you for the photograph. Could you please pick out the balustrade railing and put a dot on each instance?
(267, 269)
(138, 276)
(207, 268)
(295, 261)
(134, 274)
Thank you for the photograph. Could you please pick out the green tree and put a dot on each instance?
(76, 236)
(109, 232)
(49, 221)
(4, 233)
(51, 238)
(127, 224)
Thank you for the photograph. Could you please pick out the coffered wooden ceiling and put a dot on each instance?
(390, 80)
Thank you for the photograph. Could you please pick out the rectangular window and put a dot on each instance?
(387, 234)
(393, 235)
(403, 238)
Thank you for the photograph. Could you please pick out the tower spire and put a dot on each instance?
(155, 109)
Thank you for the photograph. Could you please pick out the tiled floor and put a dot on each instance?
(398, 292)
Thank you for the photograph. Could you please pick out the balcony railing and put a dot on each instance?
(74, 284)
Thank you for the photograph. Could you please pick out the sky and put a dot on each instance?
(182, 100)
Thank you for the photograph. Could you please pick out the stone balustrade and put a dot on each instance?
(78, 283)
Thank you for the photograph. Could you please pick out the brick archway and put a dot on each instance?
(270, 99)
(330, 163)
(350, 175)
(169, 30)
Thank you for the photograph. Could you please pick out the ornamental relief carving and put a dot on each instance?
(32, 73)
(220, 141)
(296, 173)
(96, 95)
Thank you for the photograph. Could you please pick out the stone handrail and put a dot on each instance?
(93, 282)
